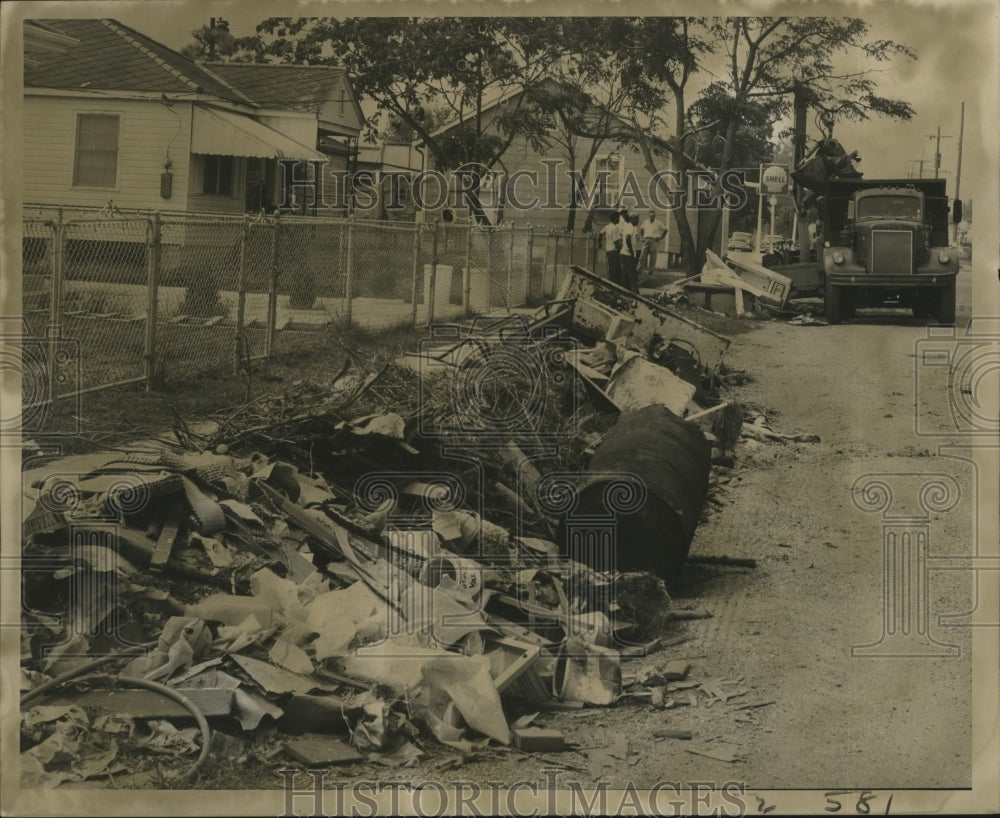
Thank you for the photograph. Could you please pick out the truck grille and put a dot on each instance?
(892, 252)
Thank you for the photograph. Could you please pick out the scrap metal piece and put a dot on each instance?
(599, 302)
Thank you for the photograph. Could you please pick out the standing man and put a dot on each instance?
(651, 232)
(611, 240)
(629, 252)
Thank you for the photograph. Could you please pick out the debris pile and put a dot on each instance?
(380, 566)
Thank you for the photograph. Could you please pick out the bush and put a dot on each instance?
(303, 290)
(201, 297)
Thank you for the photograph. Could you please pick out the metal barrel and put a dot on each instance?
(666, 461)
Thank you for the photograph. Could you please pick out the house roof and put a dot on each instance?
(110, 56)
(292, 87)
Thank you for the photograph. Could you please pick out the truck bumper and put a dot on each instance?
(894, 282)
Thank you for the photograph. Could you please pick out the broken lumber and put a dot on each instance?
(318, 750)
(538, 740)
(683, 735)
(753, 277)
(145, 704)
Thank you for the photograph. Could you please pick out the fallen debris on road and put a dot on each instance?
(387, 558)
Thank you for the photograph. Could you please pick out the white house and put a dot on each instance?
(113, 115)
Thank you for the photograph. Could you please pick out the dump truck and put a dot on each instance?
(885, 242)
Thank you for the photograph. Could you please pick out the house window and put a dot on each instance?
(608, 176)
(219, 173)
(96, 160)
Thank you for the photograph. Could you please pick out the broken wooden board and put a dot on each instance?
(717, 754)
(512, 665)
(146, 704)
(168, 535)
(538, 740)
(318, 750)
(650, 318)
(755, 277)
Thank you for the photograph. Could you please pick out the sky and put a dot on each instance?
(955, 42)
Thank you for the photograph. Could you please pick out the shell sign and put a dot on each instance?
(776, 179)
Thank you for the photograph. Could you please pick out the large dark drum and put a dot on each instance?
(650, 472)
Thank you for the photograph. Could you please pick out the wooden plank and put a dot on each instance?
(538, 740)
(718, 755)
(683, 735)
(168, 535)
(759, 280)
(146, 704)
(318, 750)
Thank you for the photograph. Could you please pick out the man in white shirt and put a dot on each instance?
(651, 232)
(611, 241)
(629, 252)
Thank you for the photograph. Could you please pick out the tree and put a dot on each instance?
(588, 101)
(764, 60)
(458, 64)
(214, 42)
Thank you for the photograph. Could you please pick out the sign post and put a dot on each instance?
(774, 181)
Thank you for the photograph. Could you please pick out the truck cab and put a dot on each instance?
(886, 242)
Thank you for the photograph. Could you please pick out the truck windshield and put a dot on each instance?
(901, 207)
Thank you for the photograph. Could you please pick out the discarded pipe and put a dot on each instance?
(649, 477)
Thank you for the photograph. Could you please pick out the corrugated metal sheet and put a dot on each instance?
(223, 133)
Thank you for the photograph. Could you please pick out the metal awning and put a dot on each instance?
(224, 133)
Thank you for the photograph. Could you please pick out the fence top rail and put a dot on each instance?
(36, 211)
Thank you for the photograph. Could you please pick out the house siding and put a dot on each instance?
(330, 113)
(148, 133)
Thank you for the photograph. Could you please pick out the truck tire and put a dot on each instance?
(832, 304)
(946, 304)
(848, 304)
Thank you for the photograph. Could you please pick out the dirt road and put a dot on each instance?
(783, 631)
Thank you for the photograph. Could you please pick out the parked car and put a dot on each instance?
(742, 242)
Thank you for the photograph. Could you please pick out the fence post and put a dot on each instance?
(349, 274)
(433, 282)
(467, 275)
(530, 253)
(510, 268)
(241, 303)
(272, 290)
(56, 299)
(555, 263)
(417, 241)
(153, 290)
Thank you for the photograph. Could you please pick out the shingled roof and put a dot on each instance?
(110, 56)
(294, 87)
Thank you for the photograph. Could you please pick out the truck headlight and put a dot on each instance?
(838, 257)
(944, 256)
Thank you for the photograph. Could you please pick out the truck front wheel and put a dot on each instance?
(832, 304)
(946, 305)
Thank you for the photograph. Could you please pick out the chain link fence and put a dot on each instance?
(164, 297)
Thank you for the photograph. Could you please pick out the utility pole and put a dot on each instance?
(958, 168)
(937, 151)
(799, 152)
